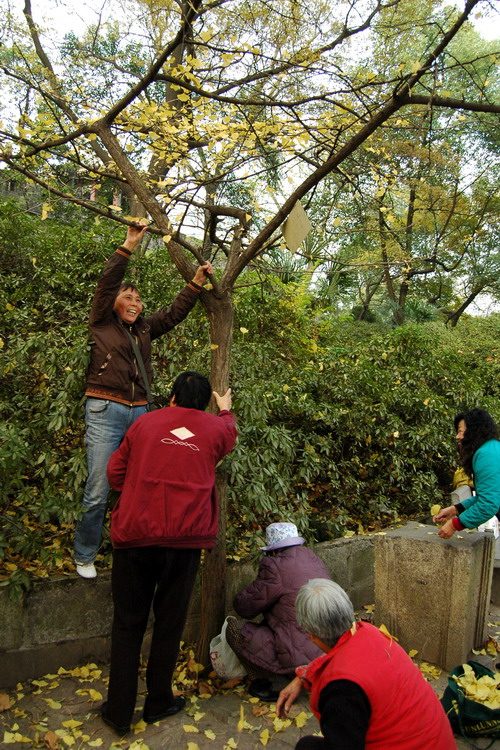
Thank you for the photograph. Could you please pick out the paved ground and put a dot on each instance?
(60, 711)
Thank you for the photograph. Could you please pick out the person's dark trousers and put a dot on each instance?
(142, 576)
(309, 742)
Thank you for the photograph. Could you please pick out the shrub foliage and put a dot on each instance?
(343, 424)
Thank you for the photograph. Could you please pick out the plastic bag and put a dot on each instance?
(491, 525)
(224, 660)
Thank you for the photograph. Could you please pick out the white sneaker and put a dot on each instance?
(86, 570)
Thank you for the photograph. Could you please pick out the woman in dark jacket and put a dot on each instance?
(277, 644)
(115, 392)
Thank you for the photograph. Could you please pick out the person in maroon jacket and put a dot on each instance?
(166, 514)
(116, 394)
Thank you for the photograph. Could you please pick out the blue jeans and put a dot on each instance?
(106, 422)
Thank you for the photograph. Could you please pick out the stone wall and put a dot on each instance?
(63, 621)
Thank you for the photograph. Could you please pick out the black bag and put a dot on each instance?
(468, 717)
(157, 402)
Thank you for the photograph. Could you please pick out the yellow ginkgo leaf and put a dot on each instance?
(138, 745)
(140, 726)
(190, 728)
(301, 719)
(435, 509)
(10, 738)
(72, 724)
(52, 704)
(95, 743)
(281, 724)
(264, 737)
(384, 630)
(46, 210)
(430, 670)
(193, 746)
(66, 737)
(241, 722)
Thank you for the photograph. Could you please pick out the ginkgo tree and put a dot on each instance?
(213, 119)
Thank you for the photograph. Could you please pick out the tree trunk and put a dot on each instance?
(213, 573)
(453, 317)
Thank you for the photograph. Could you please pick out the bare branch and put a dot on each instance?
(450, 103)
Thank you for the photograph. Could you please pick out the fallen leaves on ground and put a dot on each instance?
(430, 670)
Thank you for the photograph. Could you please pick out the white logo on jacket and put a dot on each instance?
(183, 434)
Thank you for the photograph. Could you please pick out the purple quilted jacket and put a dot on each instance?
(277, 644)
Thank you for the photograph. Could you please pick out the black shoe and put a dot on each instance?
(177, 705)
(263, 690)
(120, 729)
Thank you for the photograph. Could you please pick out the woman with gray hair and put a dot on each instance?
(365, 690)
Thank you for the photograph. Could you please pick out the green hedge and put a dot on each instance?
(343, 425)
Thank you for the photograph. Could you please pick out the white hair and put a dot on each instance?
(324, 610)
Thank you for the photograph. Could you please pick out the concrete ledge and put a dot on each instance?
(65, 620)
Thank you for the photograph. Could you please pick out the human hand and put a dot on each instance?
(445, 514)
(224, 402)
(202, 273)
(447, 530)
(134, 236)
(287, 697)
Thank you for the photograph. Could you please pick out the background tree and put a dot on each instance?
(215, 131)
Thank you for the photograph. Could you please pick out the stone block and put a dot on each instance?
(350, 563)
(11, 621)
(89, 615)
(433, 594)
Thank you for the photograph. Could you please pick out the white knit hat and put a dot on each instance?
(280, 535)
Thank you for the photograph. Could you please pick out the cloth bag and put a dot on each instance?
(468, 717)
(224, 660)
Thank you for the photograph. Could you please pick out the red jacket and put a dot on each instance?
(405, 711)
(165, 470)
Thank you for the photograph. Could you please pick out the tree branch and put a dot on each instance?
(450, 103)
